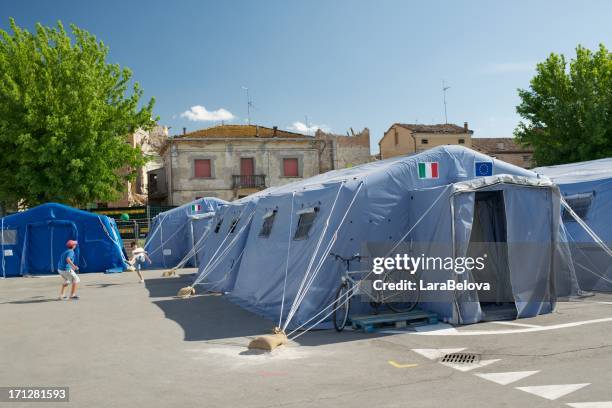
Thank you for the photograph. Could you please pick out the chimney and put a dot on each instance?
(465, 126)
(274, 129)
(184, 131)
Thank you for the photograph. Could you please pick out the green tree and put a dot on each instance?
(567, 112)
(65, 114)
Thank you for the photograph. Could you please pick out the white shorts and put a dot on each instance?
(69, 276)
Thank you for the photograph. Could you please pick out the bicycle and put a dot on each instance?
(352, 281)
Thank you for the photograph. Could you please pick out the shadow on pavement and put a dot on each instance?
(35, 299)
(212, 317)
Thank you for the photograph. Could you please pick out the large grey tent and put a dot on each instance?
(174, 233)
(438, 197)
(587, 188)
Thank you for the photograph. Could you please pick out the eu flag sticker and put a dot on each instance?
(482, 169)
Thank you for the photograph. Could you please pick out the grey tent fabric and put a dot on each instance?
(289, 277)
(175, 232)
(587, 188)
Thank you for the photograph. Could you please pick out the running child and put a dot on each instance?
(139, 256)
(66, 268)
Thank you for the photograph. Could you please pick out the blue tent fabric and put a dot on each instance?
(32, 240)
(175, 232)
(293, 280)
(587, 187)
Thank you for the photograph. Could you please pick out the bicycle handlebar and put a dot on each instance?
(355, 257)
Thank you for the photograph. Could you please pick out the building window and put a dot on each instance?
(233, 225)
(268, 222)
(291, 167)
(218, 226)
(305, 222)
(9, 237)
(526, 158)
(202, 168)
(579, 203)
(424, 141)
(396, 137)
(461, 141)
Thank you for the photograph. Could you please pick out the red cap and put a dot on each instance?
(71, 243)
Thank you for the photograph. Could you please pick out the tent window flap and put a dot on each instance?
(307, 218)
(266, 228)
(218, 226)
(233, 225)
(580, 203)
(9, 237)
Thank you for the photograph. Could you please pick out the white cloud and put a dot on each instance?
(198, 113)
(308, 129)
(507, 67)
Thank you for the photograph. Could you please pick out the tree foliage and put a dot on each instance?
(567, 111)
(65, 114)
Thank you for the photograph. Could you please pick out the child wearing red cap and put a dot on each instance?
(66, 268)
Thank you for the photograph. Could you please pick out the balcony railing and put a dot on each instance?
(252, 181)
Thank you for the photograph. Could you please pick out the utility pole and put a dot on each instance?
(444, 89)
(249, 103)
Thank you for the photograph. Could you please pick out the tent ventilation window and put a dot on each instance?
(266, 228)
(580, 203)
(9, 237)
(233, 225)
(307, 217)
(218, 226)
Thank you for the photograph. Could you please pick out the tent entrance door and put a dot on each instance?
(488, 239)
(45, 243)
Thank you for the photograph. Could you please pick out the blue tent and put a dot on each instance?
(587, 188)
(174, 233)
(33, 240)
(443, 198)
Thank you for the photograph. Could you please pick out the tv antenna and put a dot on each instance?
(444, 89)
(249, 104)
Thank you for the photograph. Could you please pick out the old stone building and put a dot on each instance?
(233, 161)
(339, 152)
(150, 142)
(506, 149)
(403, 138)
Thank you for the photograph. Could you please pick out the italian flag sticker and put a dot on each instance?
(196, 208)
(428, 170)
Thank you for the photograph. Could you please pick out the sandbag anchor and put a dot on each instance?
(171, 272)
(186, 292)
(269, 342)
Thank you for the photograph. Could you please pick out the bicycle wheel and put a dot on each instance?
(402, 301)
(341, 307)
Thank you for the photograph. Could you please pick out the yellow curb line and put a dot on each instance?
(397, 365)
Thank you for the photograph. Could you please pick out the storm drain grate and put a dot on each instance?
(461, 358)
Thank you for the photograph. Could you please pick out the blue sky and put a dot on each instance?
(342, 64)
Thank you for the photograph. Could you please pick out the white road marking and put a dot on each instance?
(439, 327)
(602, 404)
(507, 377)
(469, 367)
(516, 331)
(434, 354)
(515, 324)
(552, 392)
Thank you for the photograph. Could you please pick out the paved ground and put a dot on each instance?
(125, 344)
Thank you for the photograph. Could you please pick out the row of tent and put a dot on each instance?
(270, 252)
(31, 241)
